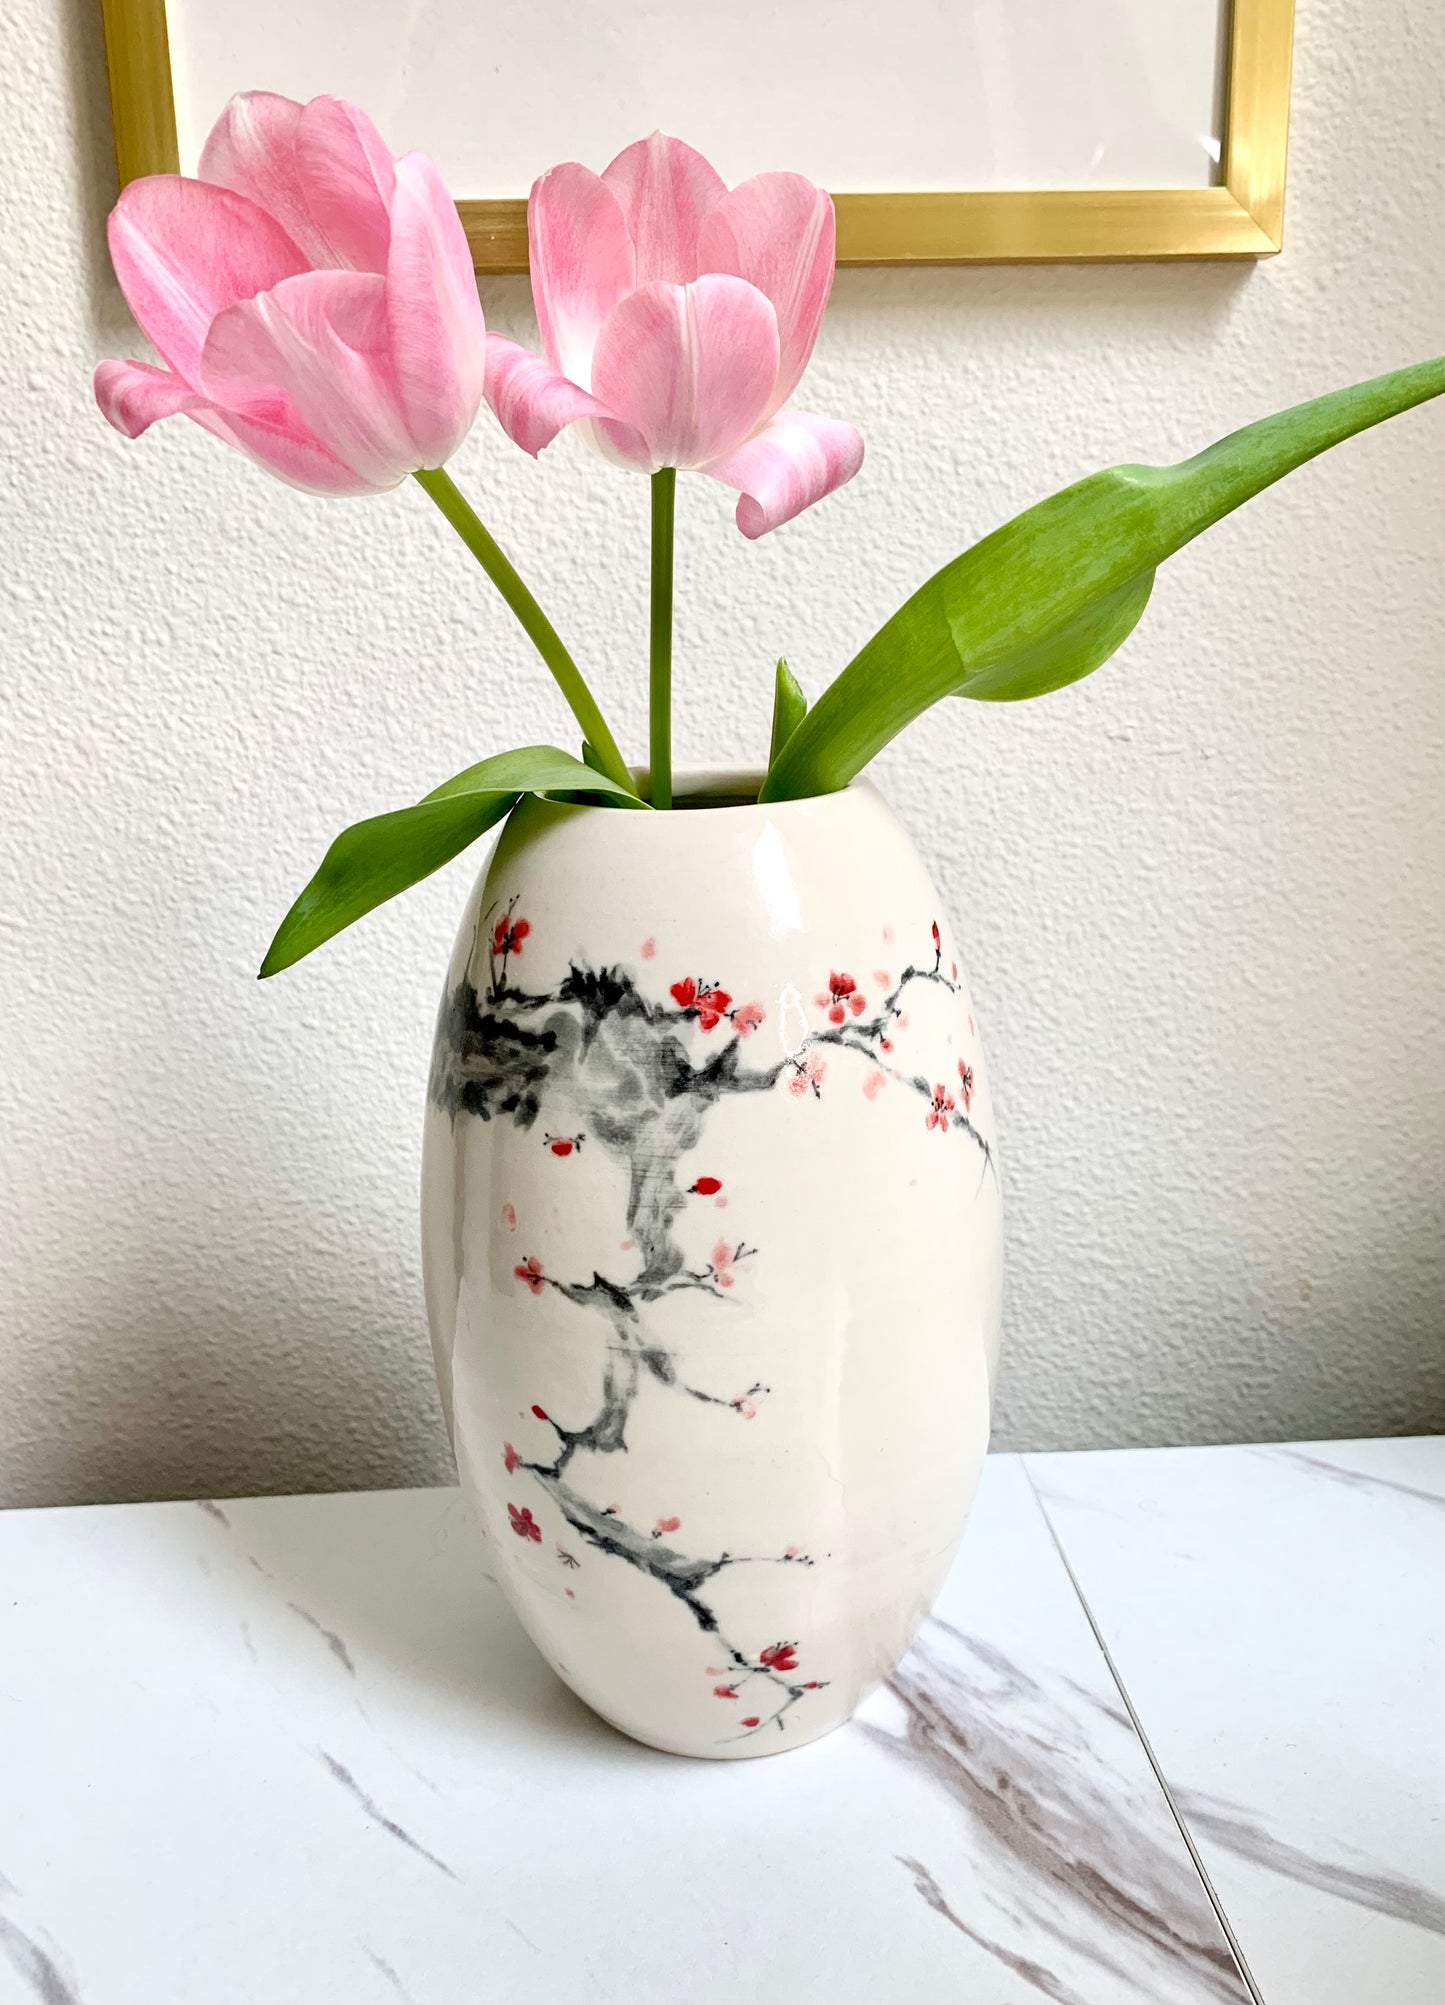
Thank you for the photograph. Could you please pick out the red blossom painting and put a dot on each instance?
(510, 1048)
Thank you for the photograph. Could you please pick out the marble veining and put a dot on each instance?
(1359, 1478)
(1327, 1868)
(329, 1637)
(1083, 1850)
(339, 1772)
(1035, 1975)
(387, 1972)
(33, 1964)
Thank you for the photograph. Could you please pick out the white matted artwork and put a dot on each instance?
(993, 94)
(946, 128)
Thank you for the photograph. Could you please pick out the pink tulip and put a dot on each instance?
(312, 298)
(676, 319)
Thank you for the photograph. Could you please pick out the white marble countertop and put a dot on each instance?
(1175, 1733)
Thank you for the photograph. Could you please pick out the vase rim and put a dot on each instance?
(714, 788)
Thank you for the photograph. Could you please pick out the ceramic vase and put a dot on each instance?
(712, 1238)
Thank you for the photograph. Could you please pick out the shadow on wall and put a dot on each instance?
(167, 1391)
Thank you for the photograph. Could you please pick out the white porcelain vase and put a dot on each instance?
(712, 1237)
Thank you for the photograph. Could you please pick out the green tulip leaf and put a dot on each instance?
(790, 707)
(1050, 596)
(374, 860)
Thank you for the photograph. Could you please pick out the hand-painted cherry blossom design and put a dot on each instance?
(747, 1403)
(705, 1000)
(507, 1047)
(942, 1105)
(808, 1074)
(779, 1657)
(509, 933)
(937, 939)
(844, 998)
(723, 1259)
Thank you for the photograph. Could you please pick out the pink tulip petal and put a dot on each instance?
(434, 317)
(313, 357)
(135, 395)
(251, 149)
(691, 366)
(666, 190)
(288, 452)
(795, 461)
(582, 264)
(348, 177)
(184, 251)
(533, 402)
(777, 232)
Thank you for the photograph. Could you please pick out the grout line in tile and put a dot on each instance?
(1230, 1937)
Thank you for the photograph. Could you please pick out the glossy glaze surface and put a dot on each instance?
(712, 1233)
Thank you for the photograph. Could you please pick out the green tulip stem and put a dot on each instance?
(438, 483)
(659, 712)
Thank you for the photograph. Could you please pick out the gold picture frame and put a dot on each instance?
(1241, 216)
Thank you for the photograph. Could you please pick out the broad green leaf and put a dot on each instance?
(533, 769)
(790, 707)
(373, 860)
(592, 797)
(1050, 596)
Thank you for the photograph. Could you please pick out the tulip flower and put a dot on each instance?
(676, 319)
(311, 297)
(313, 302)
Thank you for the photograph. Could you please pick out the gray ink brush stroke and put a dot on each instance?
(1354, 1478)
(34, 1966)
(332, 1641)
(1033, 1974)
(1070, 1841)
(1377, 1888)
(213, 1510)
(342, 1774)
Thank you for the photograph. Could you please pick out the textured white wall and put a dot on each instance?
(1202, 890)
